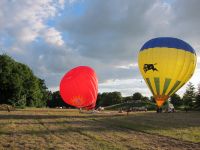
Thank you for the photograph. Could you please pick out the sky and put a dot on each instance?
(54, 36)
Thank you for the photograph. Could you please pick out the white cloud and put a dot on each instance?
(104, 35)
(62, 3)
(24, 21)
(129, 66)
(52, 36)
(125, 86)
(159, 17)
(27, 35)
(198, 59)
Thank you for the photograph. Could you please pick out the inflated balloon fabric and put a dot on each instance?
(166, 64)
(79, 87)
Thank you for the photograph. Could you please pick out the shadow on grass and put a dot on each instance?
(86, 128)
(38, 116)
(97, 125)
(134, 121)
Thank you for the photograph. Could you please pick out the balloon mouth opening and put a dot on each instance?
(160, 100)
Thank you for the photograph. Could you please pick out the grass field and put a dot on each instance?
(69, 129)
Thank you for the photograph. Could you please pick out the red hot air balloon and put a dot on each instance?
(79, 87)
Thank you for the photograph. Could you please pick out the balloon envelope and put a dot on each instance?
(90, 107)
(166, 64)
(79, 87)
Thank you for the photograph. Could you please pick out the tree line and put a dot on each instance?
(21, 88)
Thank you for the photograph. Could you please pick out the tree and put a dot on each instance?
(7, 80)
(55, 100)
(109, 98)
(18, 84)
(152, 99)
(99, 100)
(189, 96)
(145, 99)
(127, 98)
(46, 94)
(137, 96)
(197, 103)
(176, 100)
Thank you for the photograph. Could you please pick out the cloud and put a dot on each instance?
(126, 86)
(129, 66)
(27, 35)
(25, 21)
(198, 59)
(108, 28)
(54, 36)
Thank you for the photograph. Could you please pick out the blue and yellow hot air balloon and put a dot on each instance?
(166, 64)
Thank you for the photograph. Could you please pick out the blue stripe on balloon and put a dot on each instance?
(167, 42)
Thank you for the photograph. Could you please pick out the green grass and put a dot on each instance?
(184, 126)
(69, 129)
